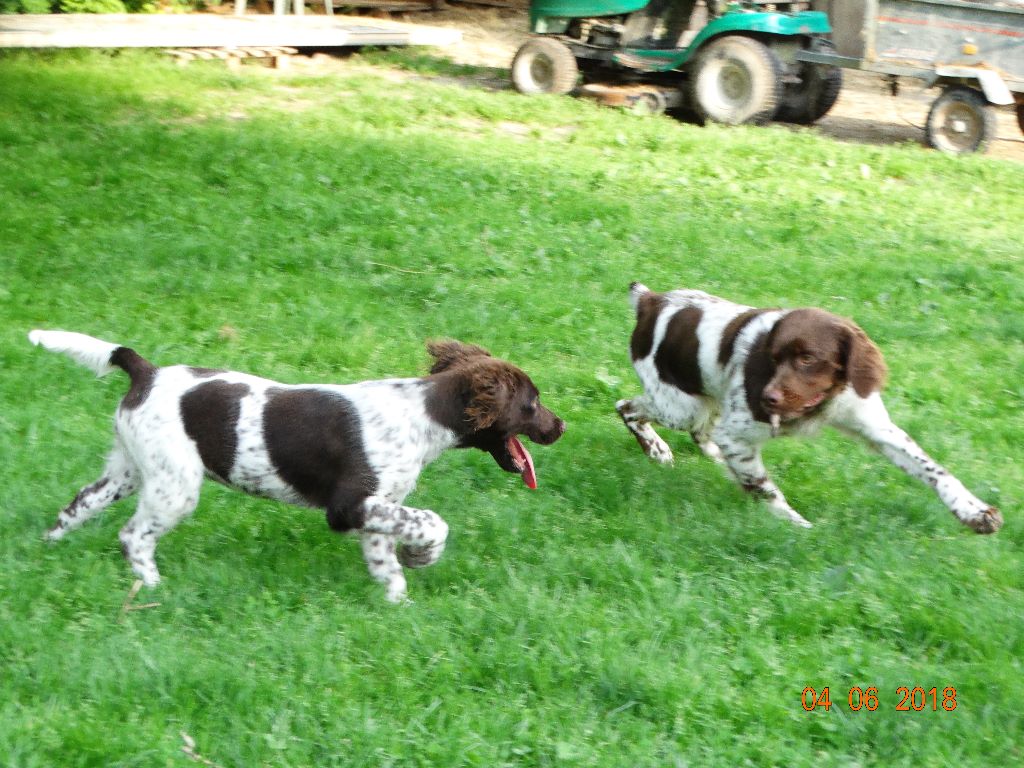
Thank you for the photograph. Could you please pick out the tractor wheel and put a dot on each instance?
(544, 65)
(809, 100)
(736, 80)
(959, 121)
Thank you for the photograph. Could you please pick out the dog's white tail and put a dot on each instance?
(94, 354)
(636, 290)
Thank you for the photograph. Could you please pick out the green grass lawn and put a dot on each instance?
(319, 227)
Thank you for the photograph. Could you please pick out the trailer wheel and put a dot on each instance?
(809, 100)
(736, 80)
(959, 121)
(544, 65)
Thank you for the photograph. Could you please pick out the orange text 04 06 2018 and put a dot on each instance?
(907, 699)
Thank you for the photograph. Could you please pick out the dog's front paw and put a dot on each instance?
(396, 594)
(989, 520)
(781, 509)
(420, 557)
(658, 450)
(55, 534)
(796, 519)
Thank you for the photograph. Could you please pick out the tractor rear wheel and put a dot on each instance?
(809, 100)
(544, 65)
(960, 121)
(736, 80)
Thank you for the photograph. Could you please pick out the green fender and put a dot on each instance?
(779, 24)
(554, 15)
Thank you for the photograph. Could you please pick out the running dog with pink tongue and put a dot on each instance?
(353, 450)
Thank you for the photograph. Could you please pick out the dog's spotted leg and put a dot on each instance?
(638, 421)
(119, 480)
(744, 461)
(420, 533)
(166, 498)
(702, 437)
(872, 423)
(382, 562)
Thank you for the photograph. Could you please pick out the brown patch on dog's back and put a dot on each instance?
(210, 413)
(732, 330)
(648, 309)
(315, 441)
(677, 356)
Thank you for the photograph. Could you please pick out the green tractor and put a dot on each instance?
(729, 62)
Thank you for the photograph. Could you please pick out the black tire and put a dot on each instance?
(1020, 116)
(544, 65)
(960, 121)
(736, 80)
(809, 100)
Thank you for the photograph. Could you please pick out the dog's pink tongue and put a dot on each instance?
(523, 458)
(815, 400)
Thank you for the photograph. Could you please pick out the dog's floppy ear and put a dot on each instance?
(492, 386)
(865, 368)
(450, 353)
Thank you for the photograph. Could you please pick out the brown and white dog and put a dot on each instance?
(735, 376)
(353, 450)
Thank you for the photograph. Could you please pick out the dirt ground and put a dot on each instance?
(866, 111)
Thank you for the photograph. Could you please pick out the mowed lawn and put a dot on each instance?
(319, 226)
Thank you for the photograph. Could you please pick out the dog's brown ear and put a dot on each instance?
(865, 368)
(492, 385)
(449, 353)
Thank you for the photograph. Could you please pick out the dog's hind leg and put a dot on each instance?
(420, 533)
(119, 480)
(166, 498)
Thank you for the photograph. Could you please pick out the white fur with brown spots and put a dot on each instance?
(735, 376)
(353, 450)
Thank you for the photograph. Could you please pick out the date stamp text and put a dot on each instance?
(907, 699)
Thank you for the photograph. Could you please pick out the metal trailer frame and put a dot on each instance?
(974, 51)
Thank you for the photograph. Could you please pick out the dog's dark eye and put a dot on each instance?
(805, 359)
(531, 406)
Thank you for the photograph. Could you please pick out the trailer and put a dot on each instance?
(972, 51)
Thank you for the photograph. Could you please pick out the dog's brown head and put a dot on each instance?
(807, 358)
(489, 402)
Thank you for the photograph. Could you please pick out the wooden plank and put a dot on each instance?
(510, 4)
(280, 54)
(385, 5)
(200, 30)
